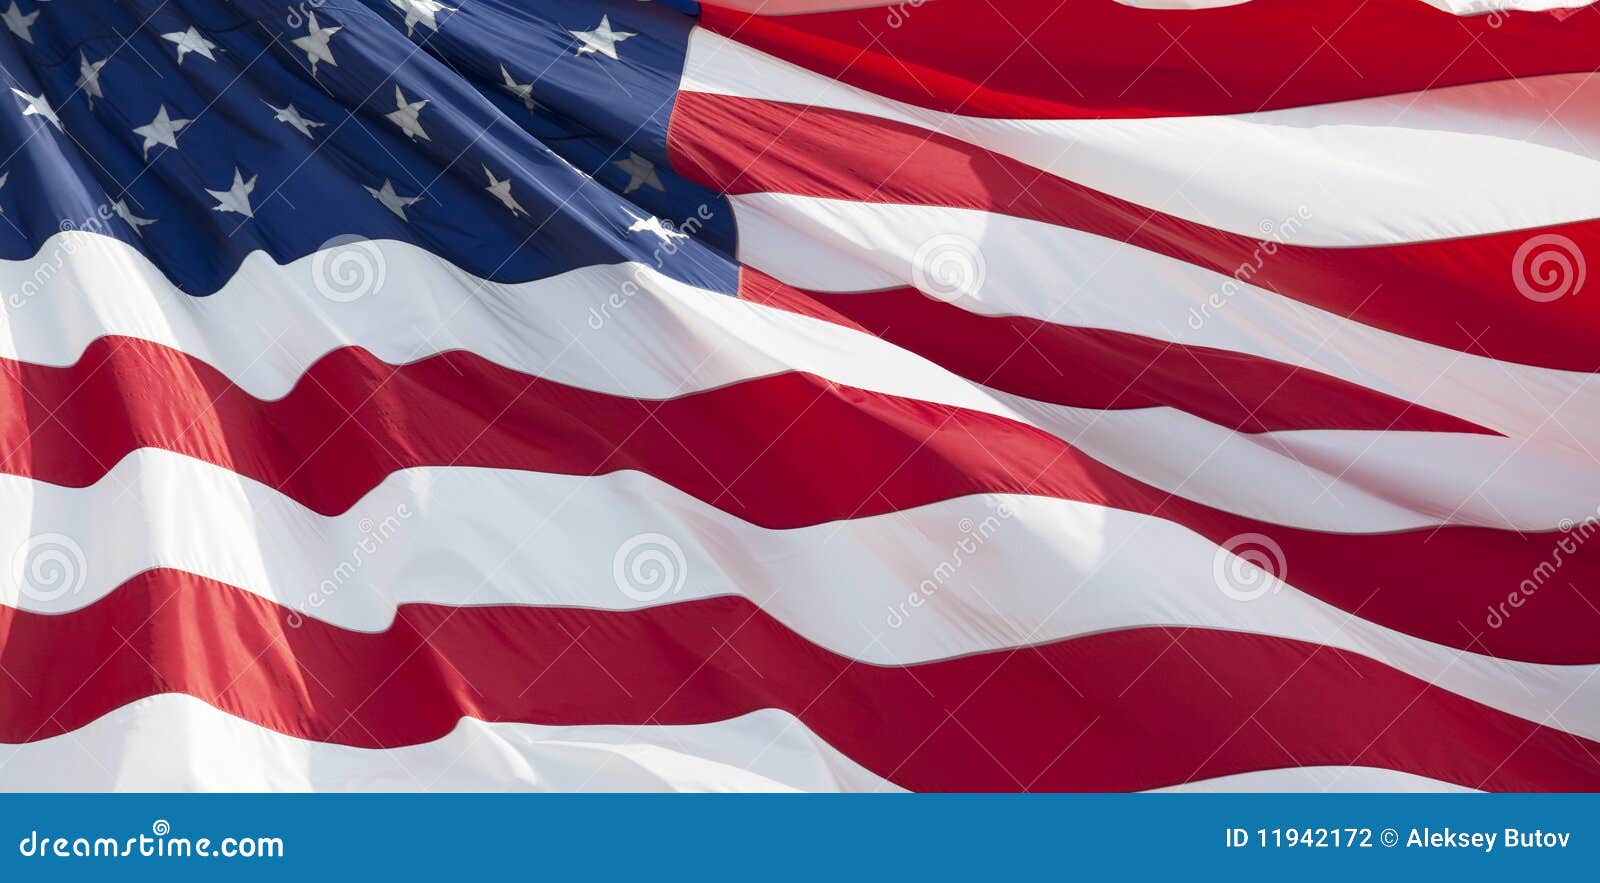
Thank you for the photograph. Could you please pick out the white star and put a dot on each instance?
(523, 91)
(315, 43)
(501, 190)
(191, 41)
(393, 201)
(421, 12)
(89, 77)
(602, 39)
(38, 106)
(292, 117)
(19, 23)
(641, 173)
(133, 220)
(162, 130)
(655, 226)
(237, 197)
(408, 116)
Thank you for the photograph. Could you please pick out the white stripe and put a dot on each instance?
(1478, 7)
(1069, 277)
(657, 338)
(175, 742)
(964, 576)
(1372, 171)
(1340, 481)
(1319, 779)
(620, 329)
(626, 330)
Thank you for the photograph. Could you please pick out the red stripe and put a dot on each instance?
(741, 145)
(1122, 710)
(1098, 58)
(745, 448)
(1107, 370)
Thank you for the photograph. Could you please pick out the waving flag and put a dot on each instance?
(952, 395)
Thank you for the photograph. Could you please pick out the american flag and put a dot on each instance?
(986, 395)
